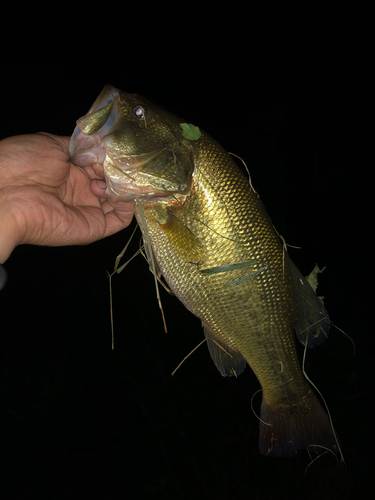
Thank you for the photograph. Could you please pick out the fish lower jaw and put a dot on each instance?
(128, 191)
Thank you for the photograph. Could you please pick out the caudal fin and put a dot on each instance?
(285, 429)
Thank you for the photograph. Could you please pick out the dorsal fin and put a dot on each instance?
(228, 361)
(312, 320)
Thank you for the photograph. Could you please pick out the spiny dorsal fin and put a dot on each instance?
(312, 321)
(228, 361)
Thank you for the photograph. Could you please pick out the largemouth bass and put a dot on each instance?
(217, 249)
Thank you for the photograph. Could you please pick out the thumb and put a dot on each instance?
(117, 218)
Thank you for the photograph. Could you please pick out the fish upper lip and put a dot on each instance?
(84, 159)
(85, 150)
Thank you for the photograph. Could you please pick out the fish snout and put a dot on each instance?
(87, 143)
(85, 150)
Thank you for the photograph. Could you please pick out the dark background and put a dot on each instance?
(77, 417)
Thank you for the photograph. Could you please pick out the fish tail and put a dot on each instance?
(285, 429)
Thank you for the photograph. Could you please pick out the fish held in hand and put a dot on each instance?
(218, 251)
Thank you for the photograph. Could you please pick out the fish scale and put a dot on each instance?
(199, 213)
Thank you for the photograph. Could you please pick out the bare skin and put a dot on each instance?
(46, 200)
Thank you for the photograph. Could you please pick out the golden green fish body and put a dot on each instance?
(222, 222)
(203, 221)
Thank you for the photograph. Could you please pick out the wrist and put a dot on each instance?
(8, 229)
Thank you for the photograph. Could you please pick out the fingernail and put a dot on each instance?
(102, 184)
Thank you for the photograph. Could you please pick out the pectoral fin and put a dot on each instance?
(189, 247)
(312, 321)
(228, 361)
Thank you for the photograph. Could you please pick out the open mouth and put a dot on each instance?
(126, 185)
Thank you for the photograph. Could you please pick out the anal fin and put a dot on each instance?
(228, 361)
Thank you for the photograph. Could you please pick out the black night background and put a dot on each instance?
(77, 418)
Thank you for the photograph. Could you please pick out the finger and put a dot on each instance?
(121, 208)
(106, 207)
(117, 220)
(94, 171)
(98, 169)
(98, 187)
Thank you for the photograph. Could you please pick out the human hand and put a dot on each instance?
(46, 200)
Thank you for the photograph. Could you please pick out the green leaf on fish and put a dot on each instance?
(312, 278)
(190, 132)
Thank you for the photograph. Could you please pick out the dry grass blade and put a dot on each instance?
(166, 288)
(325, 404)
(196, 347)
(118, 270)
(186, 357)
(247, 170)
(151, 254)
(111, 310)
(346, 335)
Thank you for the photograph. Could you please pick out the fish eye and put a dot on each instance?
(139, 112)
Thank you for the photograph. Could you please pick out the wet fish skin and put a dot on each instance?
(202, 214)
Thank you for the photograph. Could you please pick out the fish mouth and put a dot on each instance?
(87, 143)
(128, 177)
(127, 184)
(84, 150)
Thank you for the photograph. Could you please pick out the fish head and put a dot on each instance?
(141, 146)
